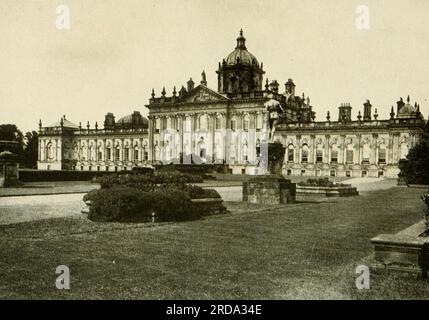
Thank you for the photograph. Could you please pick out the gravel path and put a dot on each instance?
(28, 208)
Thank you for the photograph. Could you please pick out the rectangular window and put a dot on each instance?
(100, 155)
(349, 156)
(304, 157)
(319, 155)
(348, 174)
(302, 172)
(332, 173)
(146, 155)
(334, 156)
(233, 125)
(108, 154)
(246, 125)
(218, 123)
(289, 172)
(382, 156)
(290, 155)
(117, 152)
(127, 154)
(136, 154)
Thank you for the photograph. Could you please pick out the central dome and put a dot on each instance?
(240, 54)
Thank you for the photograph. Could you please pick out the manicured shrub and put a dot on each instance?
(123, 204)
(196, 192)
(118, 204)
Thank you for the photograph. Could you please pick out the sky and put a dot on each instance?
(115, 52)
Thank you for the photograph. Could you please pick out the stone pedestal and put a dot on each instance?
(9, 169)
(269, 190)
(406, 251)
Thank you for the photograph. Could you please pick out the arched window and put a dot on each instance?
(366, 153)
(218, 123)
(108, 153)
(319, 153)
(349, 153)
(246, 123)
(382, 154)
(290, 153)
(233, 124)
(136, 153)
(127, 153)
(100, 153)
(117, 153)
(334, 153)
(304, 153)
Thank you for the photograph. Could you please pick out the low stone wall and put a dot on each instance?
(269, 190)
(405, 252)
(315, 193)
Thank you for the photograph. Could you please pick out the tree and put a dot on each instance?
(10, 132)
(30, 153)
(416, 169)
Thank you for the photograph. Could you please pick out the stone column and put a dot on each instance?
(150, 134)
(313, 149)
(298, 151)
(374, 149)
(327, 146)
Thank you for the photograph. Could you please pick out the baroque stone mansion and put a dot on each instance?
(228, 125)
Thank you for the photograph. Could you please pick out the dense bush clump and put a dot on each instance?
(123, 204)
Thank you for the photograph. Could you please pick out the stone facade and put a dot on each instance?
(119, 146)
(366, 147)
(231, 125)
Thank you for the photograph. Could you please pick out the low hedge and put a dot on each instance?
(28, 175)
(123, 204)
(148, 182)
(321, 182)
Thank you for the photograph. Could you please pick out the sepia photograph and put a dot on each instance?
(200, 153)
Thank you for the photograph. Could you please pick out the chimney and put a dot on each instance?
(190, 84)
(345, 112)
(367, 111)
(109, 120)
(274, 86)
(290, 87)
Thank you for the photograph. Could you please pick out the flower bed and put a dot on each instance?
(315, 189)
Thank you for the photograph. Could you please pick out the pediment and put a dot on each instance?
(203, 94)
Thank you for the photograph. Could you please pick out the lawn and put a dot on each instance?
(304, 250)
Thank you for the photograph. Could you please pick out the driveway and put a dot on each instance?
(28, 208)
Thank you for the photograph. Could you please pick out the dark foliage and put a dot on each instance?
(123, 204)
(416, 169)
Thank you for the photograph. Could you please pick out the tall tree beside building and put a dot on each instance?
(415, 169)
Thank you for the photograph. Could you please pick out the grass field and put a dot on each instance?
(301, 251)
